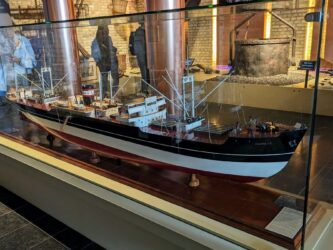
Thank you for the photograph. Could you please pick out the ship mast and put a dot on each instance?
(188, 79)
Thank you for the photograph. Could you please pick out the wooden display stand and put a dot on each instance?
(242, 206)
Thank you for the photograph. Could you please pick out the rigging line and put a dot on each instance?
(210, 139)
(201, 88)
(213, 90)
(58, 115)
(177, 93)
(238, 116)
(174, 88)
(172, 84)
(121, 87)
(163, 124)
(177, 106)
(243, 112)
(204, 110)
(58, 83)
(40, 77)
(65, 123)
(166, 127)
(28, 79)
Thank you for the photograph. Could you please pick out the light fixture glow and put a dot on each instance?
(323, 46)
(268, 22)
(309, 34)
(214, 35)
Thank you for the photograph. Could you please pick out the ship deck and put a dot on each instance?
(212, 133)
(207, 133)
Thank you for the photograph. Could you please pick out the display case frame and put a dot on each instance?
(259, 196)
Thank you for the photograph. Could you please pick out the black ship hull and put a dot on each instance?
(242, 159)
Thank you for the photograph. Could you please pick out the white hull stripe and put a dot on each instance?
(250, 169)
(177, 147)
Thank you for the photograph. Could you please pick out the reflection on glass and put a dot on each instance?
(105, 56)
(153, 93)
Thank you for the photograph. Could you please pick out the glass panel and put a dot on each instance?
(206, 108)
(319, 226)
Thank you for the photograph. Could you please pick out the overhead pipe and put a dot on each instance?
(166, 47)
(65, 44)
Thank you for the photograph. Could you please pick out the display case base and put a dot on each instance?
(244, 207)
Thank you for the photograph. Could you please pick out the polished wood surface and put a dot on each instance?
(243, 206)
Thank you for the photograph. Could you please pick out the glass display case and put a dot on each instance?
(209, 108)
(319, 176)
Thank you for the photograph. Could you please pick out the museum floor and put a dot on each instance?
(24, 226)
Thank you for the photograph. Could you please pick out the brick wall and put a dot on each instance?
(22, 3)
(200, 35)
(200, 27)
(200, 30)
(107, 7)
(15, 4)
(119, 32)
(200, 40)
(96, 7)
(296, 18)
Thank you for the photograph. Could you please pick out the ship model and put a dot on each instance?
(139, 130)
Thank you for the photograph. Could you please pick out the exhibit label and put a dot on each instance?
(287, 222)
(307, 65)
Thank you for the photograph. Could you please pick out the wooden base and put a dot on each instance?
(243, 206)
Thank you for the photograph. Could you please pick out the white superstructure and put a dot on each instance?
(142, 114)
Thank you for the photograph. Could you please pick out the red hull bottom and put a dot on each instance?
(115, 153)
(119, 154)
